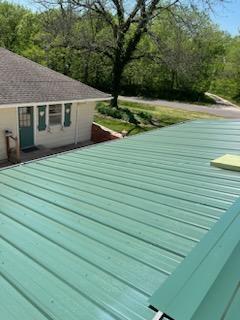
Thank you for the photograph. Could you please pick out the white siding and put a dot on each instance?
(60, 136)
(85, 120)
(8, 120)
(56, 136)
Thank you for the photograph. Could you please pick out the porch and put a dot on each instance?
(41, 151)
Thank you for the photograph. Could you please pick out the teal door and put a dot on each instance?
(25, 117)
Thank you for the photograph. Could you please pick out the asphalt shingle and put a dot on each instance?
(24, 81)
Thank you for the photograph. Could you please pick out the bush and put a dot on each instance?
(126, 114)
(109, 111)
(117, 113)
(145, 117)
(134, 117)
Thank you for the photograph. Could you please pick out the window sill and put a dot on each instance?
(55, 127)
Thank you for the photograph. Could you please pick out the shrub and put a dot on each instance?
(145, 117)
(109, 111)
(117, 113)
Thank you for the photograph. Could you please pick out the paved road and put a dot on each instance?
(221, 109)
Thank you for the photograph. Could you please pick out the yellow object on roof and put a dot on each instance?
(228, 161)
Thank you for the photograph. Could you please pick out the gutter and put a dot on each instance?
(30, 104)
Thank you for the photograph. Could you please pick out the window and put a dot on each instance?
(55, 114)
(25, 117)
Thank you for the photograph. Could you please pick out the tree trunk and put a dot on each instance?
(173, 78)
(116, 84)
(114, 101)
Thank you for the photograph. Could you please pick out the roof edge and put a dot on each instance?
(198, 278)
(28, 104)
(93, 145)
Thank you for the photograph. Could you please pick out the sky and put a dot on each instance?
(226, 15)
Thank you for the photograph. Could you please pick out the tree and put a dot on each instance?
(188, 46)
(227, 78)
(183, 51)
(19, 31)
(174, 52)
(127, 22)
(10, 17)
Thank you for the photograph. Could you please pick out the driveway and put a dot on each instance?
(222, 108)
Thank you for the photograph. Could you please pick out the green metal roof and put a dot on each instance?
(93, 233)
(207, 284)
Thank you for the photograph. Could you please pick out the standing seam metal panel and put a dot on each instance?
(92, 233)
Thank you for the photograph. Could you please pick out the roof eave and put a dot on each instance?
(26, 104)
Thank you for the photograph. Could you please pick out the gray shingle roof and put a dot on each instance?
(24, 81)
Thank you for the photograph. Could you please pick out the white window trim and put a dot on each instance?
(61, 125)
(63, 115)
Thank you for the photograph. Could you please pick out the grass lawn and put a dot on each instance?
(119, 125)
(164, 115)
(167, 115)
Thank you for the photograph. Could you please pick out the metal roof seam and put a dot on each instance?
(90, 237)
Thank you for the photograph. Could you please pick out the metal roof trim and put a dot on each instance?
(216, 262)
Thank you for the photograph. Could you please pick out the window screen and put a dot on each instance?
(55, 114)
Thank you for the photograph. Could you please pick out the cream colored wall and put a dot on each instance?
(85, 120)
(56, 136)
(59, 136)
(8, 120)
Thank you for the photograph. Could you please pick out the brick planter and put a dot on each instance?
(101, 134)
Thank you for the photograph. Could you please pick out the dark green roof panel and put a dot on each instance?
(93, 233)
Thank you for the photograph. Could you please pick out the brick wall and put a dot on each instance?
(101, 134)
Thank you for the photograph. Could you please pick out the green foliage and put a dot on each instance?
(145, 117)
(108, 111)
(180, 58)
(20, 31)
(150, 116)
(10, 18)
(118, 113)
(120, 126)
(126, 114)
(227, 79)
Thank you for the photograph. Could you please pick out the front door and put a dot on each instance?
(25, 117)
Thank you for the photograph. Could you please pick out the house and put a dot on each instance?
(137, 228)
(42, 107)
